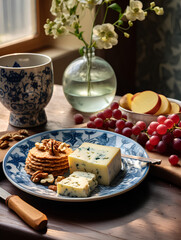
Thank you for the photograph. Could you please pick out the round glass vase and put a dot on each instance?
(89, 83)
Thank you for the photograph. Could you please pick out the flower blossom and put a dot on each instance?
(90, 3)
(104, 36)
(134, 11)
(158, 10)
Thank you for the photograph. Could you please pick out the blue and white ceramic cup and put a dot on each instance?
(26, 87)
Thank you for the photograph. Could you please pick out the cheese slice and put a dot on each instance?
(103, 161)
(78, 184)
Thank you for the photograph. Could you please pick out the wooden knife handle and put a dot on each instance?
(29, 214)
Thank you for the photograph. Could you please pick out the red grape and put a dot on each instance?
(107, 113)
(98, 122)
(175, 118)
(161, 147)
(154, 140)
(167, 138)
(156, 134)
(128, 124)
(117, 114)
(149, 131)
(161, 119)
(120, 124)
(78, 118)
(114, 105)
(142, 138)
(117, 130)
(142, 125)
(177, 144)
(112, 123)
(173, 159)
(101, 115)
(92, 117)
(161, 129)
(149, 146)
(179, 124)
(153, 125)
(136, 130)
(169, 123)
(91, 124)
(124, 116)
(127, 132)
(177, 133)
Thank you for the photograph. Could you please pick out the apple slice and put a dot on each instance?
(134, 95)
(175, 108)
(146, 102)
(165, 106)
(125, 101)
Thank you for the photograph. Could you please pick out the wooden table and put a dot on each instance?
(152, 210)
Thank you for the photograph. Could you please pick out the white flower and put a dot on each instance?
(90, 3)
(61, 6)
(104, 36)
(58, 30)
(158, 10)
(134, 11)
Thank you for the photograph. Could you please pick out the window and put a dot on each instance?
(21, 25)
(18, 20)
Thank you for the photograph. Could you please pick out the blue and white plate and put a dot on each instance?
(132, 173)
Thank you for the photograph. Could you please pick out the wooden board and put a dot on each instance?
(164, 171)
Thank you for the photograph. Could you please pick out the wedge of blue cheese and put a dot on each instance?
(103, 161)
(78, 184)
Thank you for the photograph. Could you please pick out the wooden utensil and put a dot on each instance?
(29, 214)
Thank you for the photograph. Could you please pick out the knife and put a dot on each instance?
(29, 214)
(143, 159)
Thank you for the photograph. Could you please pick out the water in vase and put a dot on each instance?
(102, 92)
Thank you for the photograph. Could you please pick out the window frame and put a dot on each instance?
(37, 41)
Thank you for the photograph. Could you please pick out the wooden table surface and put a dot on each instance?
(152, 210)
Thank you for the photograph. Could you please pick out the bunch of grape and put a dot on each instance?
(161, 136)
(165, 136)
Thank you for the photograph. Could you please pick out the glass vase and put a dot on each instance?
(89, 83)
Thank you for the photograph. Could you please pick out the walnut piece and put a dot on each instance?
(6, 136)
(23, 132)
(4, 144)
(48, 179)
(38, 176)
(40, 146)
(53, 187)
(52, 146)
(17, 136)
(58, 179)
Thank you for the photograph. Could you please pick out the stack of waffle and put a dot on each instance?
(49, 156)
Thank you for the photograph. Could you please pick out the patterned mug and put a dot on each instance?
(26, 87)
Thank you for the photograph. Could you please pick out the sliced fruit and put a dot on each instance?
(125, 101)
(146, 102)
(134, 95)
(165, 106)
(175, 108)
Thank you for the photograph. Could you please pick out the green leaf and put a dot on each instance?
(115, 7)
(81, 51)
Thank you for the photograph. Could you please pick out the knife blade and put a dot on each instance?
(32, 216)
(143, 159)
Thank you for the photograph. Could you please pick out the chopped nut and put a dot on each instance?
(62, 147)
(58, 179)
(17, 136)
(38, 176)
(48, 179)
(4, 144)
(53, 187)
(23, 132)
(40, 146)
(6, 136)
